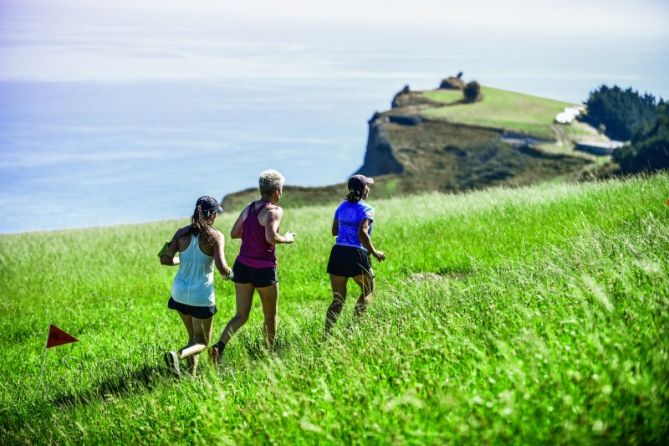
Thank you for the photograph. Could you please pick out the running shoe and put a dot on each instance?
(172, 363)
(216, 354)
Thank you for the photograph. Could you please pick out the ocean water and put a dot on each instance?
(87, 153)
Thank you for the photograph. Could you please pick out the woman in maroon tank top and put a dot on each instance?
(255, 267)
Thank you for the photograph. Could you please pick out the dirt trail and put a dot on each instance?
(560, 135)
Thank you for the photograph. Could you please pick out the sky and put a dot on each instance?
(124, 40)
(645, 16)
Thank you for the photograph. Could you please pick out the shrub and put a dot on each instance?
(472, 92)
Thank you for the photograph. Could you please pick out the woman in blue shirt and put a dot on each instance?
(349, 257)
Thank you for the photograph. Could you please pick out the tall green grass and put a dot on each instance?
(530, 315)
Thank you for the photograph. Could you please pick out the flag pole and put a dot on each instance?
(55, 337)
(46, 343)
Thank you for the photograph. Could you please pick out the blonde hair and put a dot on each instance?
(270, 181)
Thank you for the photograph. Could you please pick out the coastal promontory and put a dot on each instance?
(443, 140)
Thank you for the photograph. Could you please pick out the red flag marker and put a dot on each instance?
(58, 337)
(667, 202)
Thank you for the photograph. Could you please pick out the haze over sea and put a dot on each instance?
(107, 117)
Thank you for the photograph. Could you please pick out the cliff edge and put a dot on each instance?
(435, 141)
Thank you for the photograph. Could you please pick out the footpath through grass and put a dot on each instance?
(509, 110)
(528, 316)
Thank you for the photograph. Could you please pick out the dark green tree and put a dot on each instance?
(649, 152)
(623, 113)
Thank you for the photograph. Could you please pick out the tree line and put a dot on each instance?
(641, 119)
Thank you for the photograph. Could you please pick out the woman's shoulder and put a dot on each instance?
(366, 205)
(340, 207)
(182, 238)
(362, 206)
(260, 206)
(215, 234)
(181, 232)
(365, 210)
(272, 210)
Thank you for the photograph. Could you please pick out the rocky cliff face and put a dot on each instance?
(379, 156)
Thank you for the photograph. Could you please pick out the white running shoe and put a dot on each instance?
(172, 363)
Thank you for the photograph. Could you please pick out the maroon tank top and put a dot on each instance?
(255, 251)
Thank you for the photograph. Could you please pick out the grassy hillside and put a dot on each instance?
(503, 109)
(450, 157)
(530, 315)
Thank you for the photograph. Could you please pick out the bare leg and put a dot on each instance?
(269, 296)
(338, 298)
(172, 358)
(188, 323)
(199, 340)
(366, 283)
(244, 298)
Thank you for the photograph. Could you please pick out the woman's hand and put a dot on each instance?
(229, 275)
(380, 256)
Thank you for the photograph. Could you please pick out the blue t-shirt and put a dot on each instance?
(348, 216)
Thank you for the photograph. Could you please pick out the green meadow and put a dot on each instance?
(508, 110)
(535, 315)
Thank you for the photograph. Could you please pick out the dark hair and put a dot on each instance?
(354, 195)
(356, 187)
(200, 223)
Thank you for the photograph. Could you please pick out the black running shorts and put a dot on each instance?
(348, 261)
(259, 277)
(196, 312)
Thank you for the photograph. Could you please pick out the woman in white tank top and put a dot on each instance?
(200, 247)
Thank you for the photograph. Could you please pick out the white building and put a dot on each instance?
(569, 114)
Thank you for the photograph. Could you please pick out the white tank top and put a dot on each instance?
(194, 282)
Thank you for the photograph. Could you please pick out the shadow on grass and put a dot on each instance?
(257, 350)
(458, 272)
(441, 274)
(145, 378)
(128, 382)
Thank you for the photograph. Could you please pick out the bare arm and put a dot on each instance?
(238, 227)
(366, 240)
(272, 221)
(169, 258)
(219, 253)
(335, 227)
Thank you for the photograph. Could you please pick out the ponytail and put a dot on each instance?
(354, 196)
(200, 224)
